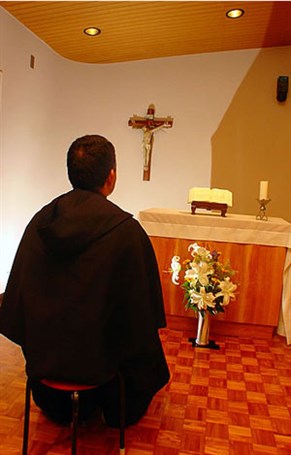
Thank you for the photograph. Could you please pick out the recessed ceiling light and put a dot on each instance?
(235, 13)
(92, 31)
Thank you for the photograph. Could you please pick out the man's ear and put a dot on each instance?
(109, 183)
(112, 178)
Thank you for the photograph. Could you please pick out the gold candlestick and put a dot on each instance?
(262, 209)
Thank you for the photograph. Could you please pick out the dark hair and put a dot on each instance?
(89, 160)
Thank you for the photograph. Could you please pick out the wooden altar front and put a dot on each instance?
(256, 250)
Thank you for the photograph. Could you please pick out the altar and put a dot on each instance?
(260, 252)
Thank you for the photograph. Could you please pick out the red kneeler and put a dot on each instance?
(74, 389)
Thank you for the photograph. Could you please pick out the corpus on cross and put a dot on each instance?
(149, 125)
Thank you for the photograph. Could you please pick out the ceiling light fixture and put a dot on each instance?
(92, 31)
(235, 13)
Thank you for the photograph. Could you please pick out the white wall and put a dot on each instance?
(46, 108)
(101, 99)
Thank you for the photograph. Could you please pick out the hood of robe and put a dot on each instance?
(76, 219)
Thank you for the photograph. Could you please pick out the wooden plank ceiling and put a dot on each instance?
(137, 30)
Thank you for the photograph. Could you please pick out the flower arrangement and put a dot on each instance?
(207, 282)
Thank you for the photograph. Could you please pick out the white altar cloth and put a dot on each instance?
(233, 228)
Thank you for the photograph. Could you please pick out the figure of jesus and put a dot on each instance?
(147, 143)
(149, 125)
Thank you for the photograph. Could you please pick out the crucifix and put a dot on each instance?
(149, 125)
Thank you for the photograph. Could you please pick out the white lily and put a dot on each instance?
(202, 271)
(202, 299)
(200, 251)
(191, 275)
(227, 291)
(206, 283)
(175, 268)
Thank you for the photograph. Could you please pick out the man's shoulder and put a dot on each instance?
(132, 231)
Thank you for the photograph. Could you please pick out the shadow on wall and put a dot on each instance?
(253, 140)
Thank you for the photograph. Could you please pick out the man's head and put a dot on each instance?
(91, 164)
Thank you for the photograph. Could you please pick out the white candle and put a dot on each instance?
(263, 190)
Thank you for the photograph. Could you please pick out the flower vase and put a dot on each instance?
(202, 338)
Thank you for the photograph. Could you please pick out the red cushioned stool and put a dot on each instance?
(74, 389)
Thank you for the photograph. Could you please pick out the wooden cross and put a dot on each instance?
(149, 124)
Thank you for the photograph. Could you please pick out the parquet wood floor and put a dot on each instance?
(232, 401)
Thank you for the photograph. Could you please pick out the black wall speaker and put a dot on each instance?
(282, 88)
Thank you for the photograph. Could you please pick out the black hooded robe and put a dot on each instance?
(84, 299)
